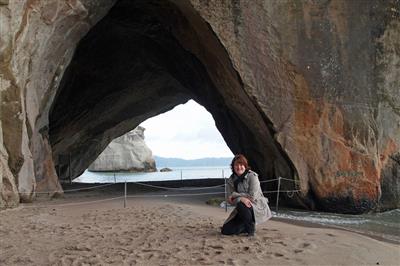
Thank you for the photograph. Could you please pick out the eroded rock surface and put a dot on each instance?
(37, 41)
(126, 153)
(308, 90)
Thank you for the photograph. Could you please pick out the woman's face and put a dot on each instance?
(239, 168)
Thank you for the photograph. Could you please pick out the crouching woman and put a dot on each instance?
(244, 191)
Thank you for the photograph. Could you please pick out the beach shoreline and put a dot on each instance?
(335, 227)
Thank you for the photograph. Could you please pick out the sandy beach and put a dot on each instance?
(89, 229)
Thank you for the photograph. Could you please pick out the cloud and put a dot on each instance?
(188, 131)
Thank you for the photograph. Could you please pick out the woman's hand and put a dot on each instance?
(230, 200)
(246, 201)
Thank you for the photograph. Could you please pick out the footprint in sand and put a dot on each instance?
(306, 245)
(231, 262)
(281, 243)
(218, 247)
(267, 239)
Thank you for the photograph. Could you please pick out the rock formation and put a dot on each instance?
(126, 153)
(165, 169)
(308, 90)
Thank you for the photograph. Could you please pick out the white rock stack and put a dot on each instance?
(126, 153)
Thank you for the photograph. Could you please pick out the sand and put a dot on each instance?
(169, 231)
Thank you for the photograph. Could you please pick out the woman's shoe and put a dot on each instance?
(251, 231)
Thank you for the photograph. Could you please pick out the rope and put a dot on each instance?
(69, 190)
(121, 197)
(142, 184)
(275, 191)
(266, 181)
(144, 196)
(183, 189)
(78, 189)
(282, 178)
(152, 186)
(75, 204)
(175, 195)
(43, 192)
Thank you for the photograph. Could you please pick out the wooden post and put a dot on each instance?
(125, 195)
(181, 178)
(226, 195)
(112, 165)
(277, 194)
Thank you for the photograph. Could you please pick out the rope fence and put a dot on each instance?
(177, 189)
(70, 190)
(76, 203)
(125, 196)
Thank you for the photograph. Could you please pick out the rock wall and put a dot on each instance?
(308, 90)
(37, 41)
(324, 73)
(126, 153)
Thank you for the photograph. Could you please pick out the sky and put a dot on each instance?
(188, 131)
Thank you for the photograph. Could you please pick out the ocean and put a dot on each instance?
(385, 225)
(180, 173)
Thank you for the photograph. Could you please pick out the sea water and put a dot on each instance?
(384, 225)
(180, 173)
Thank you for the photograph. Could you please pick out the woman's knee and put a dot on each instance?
(242, 208)
(241, 205)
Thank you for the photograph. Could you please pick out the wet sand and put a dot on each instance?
(86, 228)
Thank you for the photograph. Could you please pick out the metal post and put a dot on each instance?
(115, 179)
(226, 195)
(277, 194)
(125, 195)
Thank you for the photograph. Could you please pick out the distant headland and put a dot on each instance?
(178, 162)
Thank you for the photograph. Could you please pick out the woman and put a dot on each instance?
(245, 193)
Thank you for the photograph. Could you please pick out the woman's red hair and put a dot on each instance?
(239, 158)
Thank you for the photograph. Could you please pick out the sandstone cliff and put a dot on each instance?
(308, 90)
(126, 153)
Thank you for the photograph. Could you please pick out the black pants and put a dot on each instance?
(243, 222)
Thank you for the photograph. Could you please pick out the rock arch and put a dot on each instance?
(305, 89)
(141, 59)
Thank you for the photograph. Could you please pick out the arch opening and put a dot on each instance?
(142, 59)
(186, 132)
